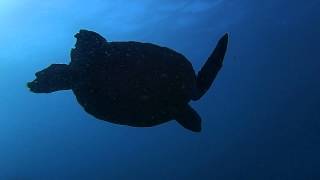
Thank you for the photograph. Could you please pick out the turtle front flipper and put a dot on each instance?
(209, 71)
(188, 118)
(54, 78)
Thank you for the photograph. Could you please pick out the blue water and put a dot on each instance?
(261, 119)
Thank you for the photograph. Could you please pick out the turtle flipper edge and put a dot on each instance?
(209, 71)
(188, 118)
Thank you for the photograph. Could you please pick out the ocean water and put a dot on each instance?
(261, 118)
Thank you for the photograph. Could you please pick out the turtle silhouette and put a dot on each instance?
(132, 83)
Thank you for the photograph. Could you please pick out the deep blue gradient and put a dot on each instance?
(261, 119)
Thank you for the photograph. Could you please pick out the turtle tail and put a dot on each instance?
(209, 71)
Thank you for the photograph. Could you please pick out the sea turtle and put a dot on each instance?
(132, 83)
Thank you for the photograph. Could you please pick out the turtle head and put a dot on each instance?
(89, 40)
(53, 78)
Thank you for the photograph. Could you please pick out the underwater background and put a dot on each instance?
(261, 118)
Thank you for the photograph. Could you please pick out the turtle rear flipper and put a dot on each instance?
(54, 78)
(188, 118)
(209, 71)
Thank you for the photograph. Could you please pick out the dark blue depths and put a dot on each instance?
(261, 119)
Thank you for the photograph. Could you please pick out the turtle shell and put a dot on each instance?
(132, 83)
